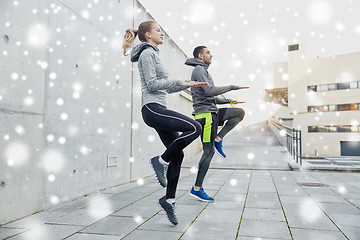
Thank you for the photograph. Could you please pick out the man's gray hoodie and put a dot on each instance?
(204, 98)
(153, 75)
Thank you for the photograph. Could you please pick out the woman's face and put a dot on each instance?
(155, 36)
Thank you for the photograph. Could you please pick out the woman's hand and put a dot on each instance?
(194, 84)
(235, 87)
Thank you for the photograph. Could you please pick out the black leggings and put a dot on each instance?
(232, 116)
(168, 124)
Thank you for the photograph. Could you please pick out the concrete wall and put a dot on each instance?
(297, 83)
(68, 99)
(280, 75)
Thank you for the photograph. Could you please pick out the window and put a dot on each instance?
(333, 129)
(278, 96)
(344, 107)
(293, 47)
(313, 129)
(354, 128)
(341, 86)
(354, 85)
(324, 108)
(332, 87)
(311, 88)
(332, 108)
(324, 129)
(322, 88)
(316, 108)
(354, 106)
(344, 128)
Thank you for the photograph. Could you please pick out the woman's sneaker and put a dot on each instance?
(169, 209)
(159, 170)
(200, 195)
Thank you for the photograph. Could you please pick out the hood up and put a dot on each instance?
(137, 50)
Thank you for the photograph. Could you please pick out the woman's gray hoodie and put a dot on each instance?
(204, 98)
(153, 75)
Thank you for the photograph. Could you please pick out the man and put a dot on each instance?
(209, 116)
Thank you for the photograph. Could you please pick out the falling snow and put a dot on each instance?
(243, 45)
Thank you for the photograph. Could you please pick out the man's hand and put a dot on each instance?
(236, 102)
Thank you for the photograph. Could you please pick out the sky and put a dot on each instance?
(247, 37)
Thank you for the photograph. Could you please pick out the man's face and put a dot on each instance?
(205, 56)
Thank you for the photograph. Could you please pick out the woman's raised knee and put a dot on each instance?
(198, 128)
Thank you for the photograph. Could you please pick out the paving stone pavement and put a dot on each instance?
(250, 203)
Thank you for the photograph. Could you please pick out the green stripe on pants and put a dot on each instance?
(207, 127)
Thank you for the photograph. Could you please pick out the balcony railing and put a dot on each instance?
(293, 139)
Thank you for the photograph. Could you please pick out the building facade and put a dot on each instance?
(320, 97)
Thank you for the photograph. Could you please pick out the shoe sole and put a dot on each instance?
(166, 214)
(219, 153)
(156, 174)
(198, 198)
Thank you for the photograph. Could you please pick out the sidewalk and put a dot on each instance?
(329, 164)
(250, 203)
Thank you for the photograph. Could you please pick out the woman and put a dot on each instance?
(167, 123)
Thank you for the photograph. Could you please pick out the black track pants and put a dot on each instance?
(168, 124)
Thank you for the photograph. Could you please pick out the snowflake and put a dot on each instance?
(37, 36)
(250, 156)
(52, 76)
(51, 178)
(76, 95)
(84, 150)
(252, 76)
(17, 153)
(340, 27)
(233, 182)
(62, 140)
(320, 12)
(85, 14)
(140, 181)
(151, 138)
(29, 101)
(64, 116)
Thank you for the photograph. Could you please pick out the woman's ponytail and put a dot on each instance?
(131, 34)
(129, 38)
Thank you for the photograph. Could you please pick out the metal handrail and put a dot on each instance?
(293, 139)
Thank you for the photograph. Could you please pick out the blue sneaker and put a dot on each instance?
(200, 195)
(218, 148)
